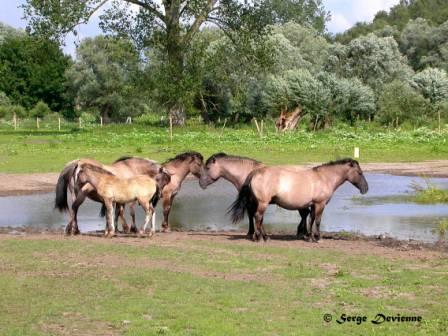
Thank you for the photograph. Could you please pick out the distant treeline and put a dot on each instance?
(391, 71)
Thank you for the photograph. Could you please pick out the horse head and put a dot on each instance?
(356, 176)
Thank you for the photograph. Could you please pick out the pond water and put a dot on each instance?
(381, 211)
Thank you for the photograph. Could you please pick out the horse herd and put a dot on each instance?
(131, 179)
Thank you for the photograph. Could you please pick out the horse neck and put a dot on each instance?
(179, 171)
(334, 175)
(236, 172)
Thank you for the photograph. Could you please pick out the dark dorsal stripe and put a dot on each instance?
(124, 158)
(96, 169)
(338, 162)
(224, 156)
(190, 155)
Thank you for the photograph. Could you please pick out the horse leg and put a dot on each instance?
(302, 229)
(72, 227)
(167, 201)
(251, 224)
(259, 222)
(119, 213)
(149, 210)
(110, 227)
(310, 226)
(319, 209)
(132, 212)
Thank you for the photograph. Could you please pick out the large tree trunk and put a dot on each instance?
(288, 120)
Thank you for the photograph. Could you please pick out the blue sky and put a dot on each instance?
(344, 14)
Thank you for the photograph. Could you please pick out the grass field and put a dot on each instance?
(46, 150)
(190, 286)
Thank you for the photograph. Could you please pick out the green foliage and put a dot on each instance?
(433, 84)
(430, 194)
(102, 77)
(399, 103)
(433, 11)
(31, 70)
(350, 100)
(374, 60)
(40, 110)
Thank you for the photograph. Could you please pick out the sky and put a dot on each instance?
(344, 14)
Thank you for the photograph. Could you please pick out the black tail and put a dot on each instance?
(103, 210)
(156, 197)
(246, 200)
(60, 201)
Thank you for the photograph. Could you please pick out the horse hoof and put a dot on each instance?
(266, 238)
(166, 230)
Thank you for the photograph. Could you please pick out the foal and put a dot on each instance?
(292, 190)
(113, 190)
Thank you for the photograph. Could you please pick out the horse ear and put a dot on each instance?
(214, 160)
(352, 164)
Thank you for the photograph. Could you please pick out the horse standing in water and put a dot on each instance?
(114, 190)
(236, 169)
(178, 168)
(124, 167)
(292, 190)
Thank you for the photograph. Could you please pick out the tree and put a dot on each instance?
(433, 84)
(102, 77)
(374, 60)
(32, 69)
(399, 103)
(40, 110)
(349, 98)
(169, 26)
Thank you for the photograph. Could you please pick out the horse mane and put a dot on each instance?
(124, 158)
(185, 156)
(97, 169)
(224, 156)
(338, 162)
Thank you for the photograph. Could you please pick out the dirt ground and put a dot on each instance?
(353, 245)
(23, 184)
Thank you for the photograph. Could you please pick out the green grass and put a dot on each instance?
(195, 287)
(431, 195)
(47, 150)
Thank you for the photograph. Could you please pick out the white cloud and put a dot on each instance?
(345, 13)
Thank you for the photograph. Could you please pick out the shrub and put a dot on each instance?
(40, 110)
(399, 103)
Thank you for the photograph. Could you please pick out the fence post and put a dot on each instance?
(101, 121)
(171, 127)
(37, 122)
(80, 122)
(14, 119)
(356, 153)
(59, 123)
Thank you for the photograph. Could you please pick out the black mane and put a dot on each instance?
(124, 158)
(338, 162)
(97, 169)
(222, 155)
(185, 156)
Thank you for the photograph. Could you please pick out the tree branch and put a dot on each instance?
(151, 9)
(101, 4)
(200, 19)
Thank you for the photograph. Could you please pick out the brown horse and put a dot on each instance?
(178, 168)
(124, 167)
(293, 189)
(236, 169)
(114, 190)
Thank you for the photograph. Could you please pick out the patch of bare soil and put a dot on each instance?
(22, 184)
(25, 184)
(356, 245)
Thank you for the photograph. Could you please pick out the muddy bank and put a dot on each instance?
(343, 242)
(26, 184)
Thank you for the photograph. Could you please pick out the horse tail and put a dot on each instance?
(155, 198)
(103, 210)
(62, 185)
(246, 200)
